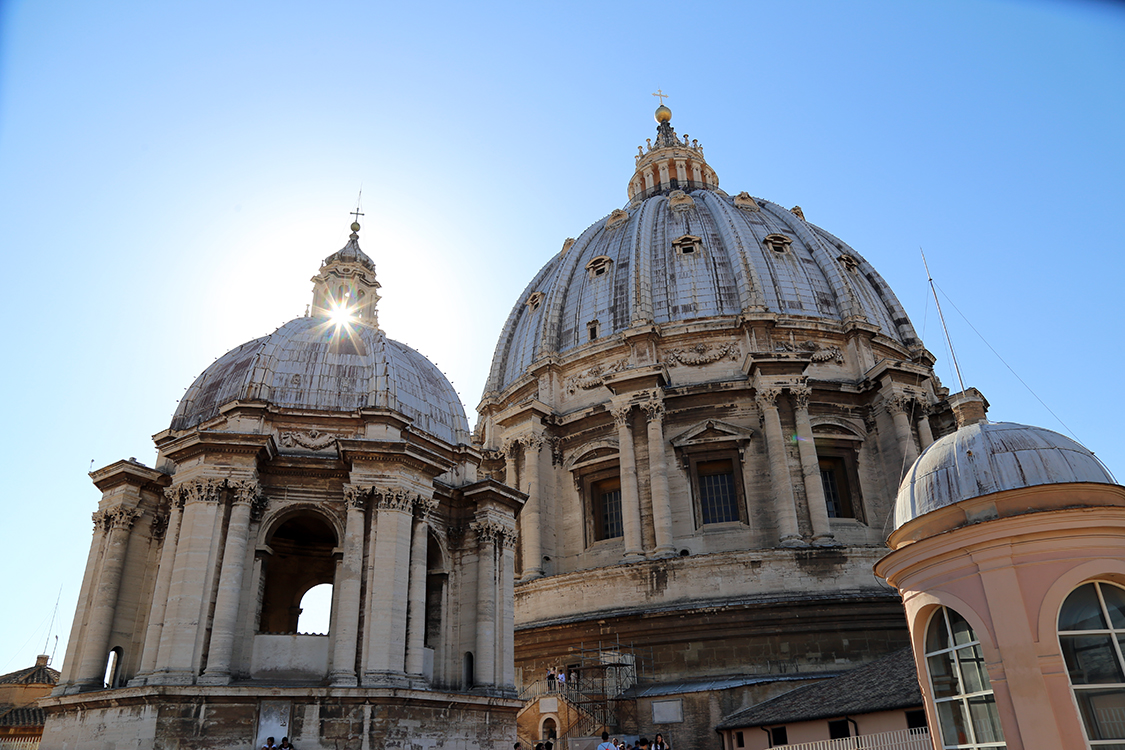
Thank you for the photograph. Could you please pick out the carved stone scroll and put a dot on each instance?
(593, 377)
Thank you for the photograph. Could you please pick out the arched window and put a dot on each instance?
(301, 559)
(113, 669)
(962, 692)
(316, 610)
(1092, 638)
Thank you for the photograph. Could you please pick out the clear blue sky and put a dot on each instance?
(171, 175)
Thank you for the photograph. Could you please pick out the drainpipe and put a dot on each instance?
(769, 735)
(852, 722)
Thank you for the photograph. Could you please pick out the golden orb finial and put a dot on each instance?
(663, 114)
(355, 226)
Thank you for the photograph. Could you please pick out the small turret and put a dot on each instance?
(346, 284)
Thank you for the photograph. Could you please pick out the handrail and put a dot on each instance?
(900, 739)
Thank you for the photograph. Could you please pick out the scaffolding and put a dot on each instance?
(597, 687)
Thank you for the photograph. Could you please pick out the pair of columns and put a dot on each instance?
(393, 640)
(177, 618)
(658, 480)
(112, 528)
(495, 615)
(903, 406)
(785, 509)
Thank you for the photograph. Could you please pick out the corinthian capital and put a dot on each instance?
(389, 499)
(245, 490)
(424, 507)
(532, 442)
(801, 395)
(900, 403)
(119, 517)
(202, 490)
(654, 407)
(355, 496)
(767, 395)
(492, 532)
(621, 415)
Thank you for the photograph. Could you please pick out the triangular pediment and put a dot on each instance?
(712, 431)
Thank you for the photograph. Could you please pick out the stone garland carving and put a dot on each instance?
(556, 444)
(819, 353)
(593, 377)
(702, 354)
(455, 535)
(314, 440)
(258, 507)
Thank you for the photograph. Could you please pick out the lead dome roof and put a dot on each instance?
(310, 363)
(734, 269)
(986, 457)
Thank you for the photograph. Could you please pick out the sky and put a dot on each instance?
(172, 174)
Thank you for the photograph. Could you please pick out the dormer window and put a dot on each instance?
(848, 262)
(687, 245)
(592, 330)
(599, 266)
(534, 301)
(779, 243)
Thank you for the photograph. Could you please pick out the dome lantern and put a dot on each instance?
(346, 282)
(670, 163)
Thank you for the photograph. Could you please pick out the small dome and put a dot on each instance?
(986, 457)
(309, 363)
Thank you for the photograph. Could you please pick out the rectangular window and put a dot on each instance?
(837, 491)
(718, 499)
(778, 736)
(607, 509)
(839, 729)
(739, 740)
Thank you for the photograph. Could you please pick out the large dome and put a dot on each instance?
(985, 457)
(314, 363)
(687, 251)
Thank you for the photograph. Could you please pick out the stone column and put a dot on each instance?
(351, 568)
(899, 407)
(117, 522)
(484, 658)
(160, 590)
(531, 518)
(386, 607)
(658, 478)
(70, 665)
(183, 615)
(785, 508)
(630, 496)
(225, 621)
(925, 433)
(810, 469)
(507, 609)
(416, 603)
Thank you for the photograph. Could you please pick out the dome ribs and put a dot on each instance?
(750, 291)
(642, 263)
(829, 268)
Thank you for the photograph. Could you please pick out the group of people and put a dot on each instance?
(557, 679)
(283, 746)
(642, 743)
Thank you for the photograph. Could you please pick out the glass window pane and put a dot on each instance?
(986, 719)
(1082, 611)
(1115, 603)
(937, 637)
(717, 496)
(954, 727)
(962, 633)
(943, 676)
(1103, 713)
(973, 671)
(1091, 659)
(612, 526)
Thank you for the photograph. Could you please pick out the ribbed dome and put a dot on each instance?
(986, 457)
(306, 364)
(742, 255)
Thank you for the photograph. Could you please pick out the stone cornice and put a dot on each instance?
(130, 473)
(356, 452)
(489, 490)
(204, 442)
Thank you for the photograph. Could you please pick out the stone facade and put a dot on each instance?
(709, 403)
(324, 453)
